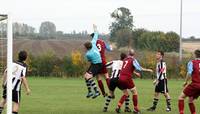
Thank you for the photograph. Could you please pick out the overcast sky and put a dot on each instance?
(69, 15)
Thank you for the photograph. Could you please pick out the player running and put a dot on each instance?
(102, 47)
(19, 78)
(191, 90)
(116, 66)
(130, 65)
(160, 82)
(94, 57)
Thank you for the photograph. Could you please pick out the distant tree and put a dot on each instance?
(47, 30)
(137, 35)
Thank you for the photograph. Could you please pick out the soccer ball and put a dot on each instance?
(118, 13)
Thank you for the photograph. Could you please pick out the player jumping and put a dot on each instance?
(191, 90)
(161, 83)
(94, 57)
(130, 64)
(19, 77)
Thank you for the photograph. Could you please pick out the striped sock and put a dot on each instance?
(93, 84)
(14, 112)
(1, 109)
(155, 102)
(88, 85)
(168, 103)
(127, 102)
(108, 99)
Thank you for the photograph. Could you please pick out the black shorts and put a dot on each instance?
(95, 69)
(113, 84)
(16, 95)
(162, 87)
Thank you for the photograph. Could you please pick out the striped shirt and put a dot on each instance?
(116, 66)
(161, 70)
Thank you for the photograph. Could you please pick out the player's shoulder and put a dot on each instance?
(23, 64)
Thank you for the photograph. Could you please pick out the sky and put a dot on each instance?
(69, 15)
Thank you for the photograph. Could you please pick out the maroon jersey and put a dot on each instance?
(127, 68)
(102, 48)
(196, 71)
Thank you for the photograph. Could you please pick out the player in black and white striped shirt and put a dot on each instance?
(116, 66)
(19, 77)
(161, 82)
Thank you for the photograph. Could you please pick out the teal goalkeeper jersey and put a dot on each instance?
(93, 54)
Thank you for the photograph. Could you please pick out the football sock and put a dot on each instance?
(100, 83)
(127, 102)
(135, 102)
(121, 101)
(92, 82)
(168, 103)
(181, 106)
(192, 108)
(155, 102)
(88, 85)
(108, 99)
(1, 109)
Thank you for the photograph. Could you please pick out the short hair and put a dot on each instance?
(88, 45)
(161, 52)
(123, 56)
(92, 35)
(197, 53)
(131, 52)
(22, 55)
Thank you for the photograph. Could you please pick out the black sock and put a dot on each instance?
(108, 99)
(168, 103)
(127, 102)
(155, 102)
(88, 85)
(15, 112)
(93, 84)
(1, 109)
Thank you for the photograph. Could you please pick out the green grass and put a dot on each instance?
(67, 96)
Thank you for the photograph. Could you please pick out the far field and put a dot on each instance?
(67, 96)
(191, 46)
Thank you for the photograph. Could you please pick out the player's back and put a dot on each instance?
(116, 68)
(127, 68)
(101, 47)
(196, 71)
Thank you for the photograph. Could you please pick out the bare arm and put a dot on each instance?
(25, 83)
(147, 70)
(187, 79)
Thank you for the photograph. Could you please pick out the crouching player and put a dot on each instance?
(191, 90)
(116, 66)
(129, 66)
(93, 56)
(161, 83)
(19, 77)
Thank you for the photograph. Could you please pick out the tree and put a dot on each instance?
(47, 30)
(121, 24)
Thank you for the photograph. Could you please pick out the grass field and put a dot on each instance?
(67, 96)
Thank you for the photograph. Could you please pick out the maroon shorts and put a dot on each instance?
(192, 90)
(126, 83)
(104, 69)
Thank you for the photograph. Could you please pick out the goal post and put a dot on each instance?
(9, 31)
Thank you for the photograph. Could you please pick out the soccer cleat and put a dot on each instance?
(105, 109)
(90, 94)
(151, 109)
(127, 109)
(95, 95)
(168, 109)
(136, 112)
(118, 110)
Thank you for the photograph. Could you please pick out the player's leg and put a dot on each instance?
(108, 100)
(15, 108)
(87, 77)
(181, 103)
(2, 104)
(121, 101)
(191, 105)
(127, 101)
(107, 79)
(168, 102)
(135, 100)
(101, 86)
(155, 102)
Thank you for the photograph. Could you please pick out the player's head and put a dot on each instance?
(22, 55)
(197, 53)
(88, 45)
(131, 52)
(159, 55)
(123, 56)
(92, 35)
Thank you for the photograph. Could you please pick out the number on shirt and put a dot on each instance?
(126, 62)
(199, 68)
(99, 47)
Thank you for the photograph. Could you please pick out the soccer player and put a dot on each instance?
(116, 66)
(19, 77)
(130, 64)
(191, 90)
(102, 47)
(160, 82)
(94, 57)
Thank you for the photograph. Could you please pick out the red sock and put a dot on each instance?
(181, 106)
(192, 108)
(100, 83)
(121, 101)
(108, 82)
(135, 102)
